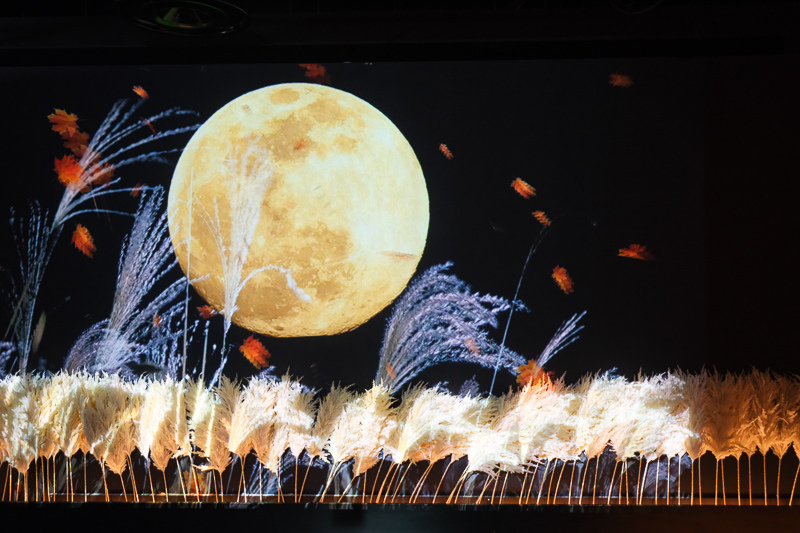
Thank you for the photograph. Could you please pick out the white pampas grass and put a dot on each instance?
(163, 429)
(328, 413)
(362, 429)
(20, 432)
(292, 419)
(671, 414)
(210, 421)
(111, 410)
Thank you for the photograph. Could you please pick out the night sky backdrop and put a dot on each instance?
(612, 166)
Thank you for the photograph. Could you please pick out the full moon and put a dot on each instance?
(298, 210)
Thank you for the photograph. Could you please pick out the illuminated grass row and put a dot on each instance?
(674, 417)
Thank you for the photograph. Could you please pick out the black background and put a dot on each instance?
(723, 293)
(697, 161)
(612, 166)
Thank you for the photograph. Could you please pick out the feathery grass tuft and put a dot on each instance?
(113, 344)
(439, 319)
(601, 426)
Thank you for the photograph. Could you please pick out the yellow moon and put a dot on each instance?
(316, 193)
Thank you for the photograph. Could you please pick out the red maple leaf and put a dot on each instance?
(523, 188)
(620, 80)
(103, 175)
(542, 218)
(141, 92)
(316, 72)
(472, 345)
(255, 352)
(207, 311)
(531, 373)
(636, 251)
(70, 171)
(76, 142)
(64, 122)
(562, 278)
(83, 241)
(446, 151)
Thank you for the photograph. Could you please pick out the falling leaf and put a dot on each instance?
(83, 241)
(472, 346)
(70, 171)
(136, 190)
(390, 371)
(316, 72)
(620, 80)
(446, 151)
(255, 352)
(523, 188)
(196, 483)
(64, 122)
(532, 374)
(400, 255)
(300, 144)
(636, 251)
(562, 278)
(157, 321)
(104, 175)
(149, 125)
(141, 92)
(542, 218)
(206, 311)
(76, 143)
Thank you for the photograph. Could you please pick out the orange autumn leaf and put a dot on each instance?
(636, 251)
(206, 311)
(157, 321)
(141, 92)
(316, 72)
(302, 143)
(136, 190)
(64, 122)
(523, 188)
(620, 80)
(76, 143)
(532, 374)
(83, 241)
(149, 125)
(542, 218)
(69, 171)
(195, 482)
(104, 175)
(446, 151)
(562, 278)
(255, 352)
(472, 346)
(390, 371)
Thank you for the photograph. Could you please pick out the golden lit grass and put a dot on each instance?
(669, 414)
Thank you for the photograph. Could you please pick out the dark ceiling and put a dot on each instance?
(124, 31)
(110, 7)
